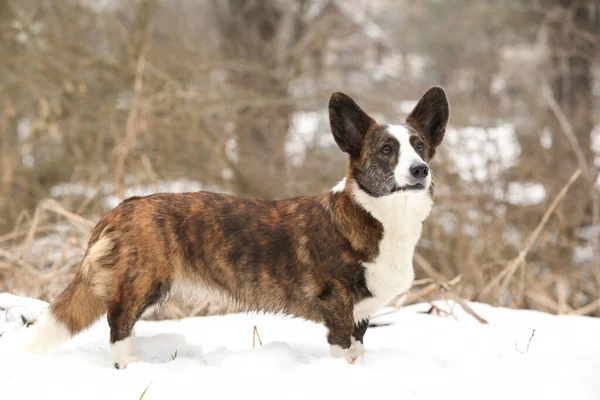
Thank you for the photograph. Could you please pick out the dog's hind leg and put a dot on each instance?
(124, 313)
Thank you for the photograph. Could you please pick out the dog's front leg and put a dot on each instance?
(357, 348)
(337, 313)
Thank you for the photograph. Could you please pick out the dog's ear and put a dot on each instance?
(430, 117)
(349, 123)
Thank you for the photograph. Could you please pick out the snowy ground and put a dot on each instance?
(416, 356)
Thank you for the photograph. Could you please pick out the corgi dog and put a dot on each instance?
(335, 258)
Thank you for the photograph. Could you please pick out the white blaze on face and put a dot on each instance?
(408, 157)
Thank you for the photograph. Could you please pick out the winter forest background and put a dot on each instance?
(102, 100)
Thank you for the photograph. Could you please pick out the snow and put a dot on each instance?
(405, 106)
(498, 85)
(481, 154)
(231, 151)
(307, 129)
(546, 138)
(582, 255)
(416, 356)
(303, 129)
(525, 193)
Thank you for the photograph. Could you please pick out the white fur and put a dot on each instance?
(391, 273)
(408, 156)
(339, 187)
(122, 353)
(150, 311)
(355, 351)
(196, 293)
(47, 333)
(338, 352)
(402, 215)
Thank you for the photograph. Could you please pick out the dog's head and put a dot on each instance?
(390, 159)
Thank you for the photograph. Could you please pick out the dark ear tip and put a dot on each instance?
(338, 96)
(436, 91)
(437, 96)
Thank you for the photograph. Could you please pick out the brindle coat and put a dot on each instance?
(302, 256)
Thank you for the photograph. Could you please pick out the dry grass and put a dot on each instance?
(255, 335)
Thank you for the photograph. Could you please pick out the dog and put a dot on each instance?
(335, 258)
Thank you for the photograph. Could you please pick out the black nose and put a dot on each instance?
(419, 171)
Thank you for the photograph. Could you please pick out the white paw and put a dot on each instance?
(357, 349)
(350, 354)
(124, 361)
(338, 352)
(122, 353)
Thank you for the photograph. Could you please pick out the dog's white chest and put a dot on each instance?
(391, 273)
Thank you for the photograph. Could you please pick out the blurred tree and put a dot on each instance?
(261, 35)
(574, 45)
(497, 57)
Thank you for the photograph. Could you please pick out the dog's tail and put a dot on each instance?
(80, 305)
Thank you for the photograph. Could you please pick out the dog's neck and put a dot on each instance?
(364, 219)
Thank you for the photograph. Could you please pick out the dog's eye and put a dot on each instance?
(420, 147)
(387, 149)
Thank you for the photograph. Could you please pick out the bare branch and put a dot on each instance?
(512, 267)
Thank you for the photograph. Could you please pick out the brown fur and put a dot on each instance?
(302, 256)
(299, 256)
